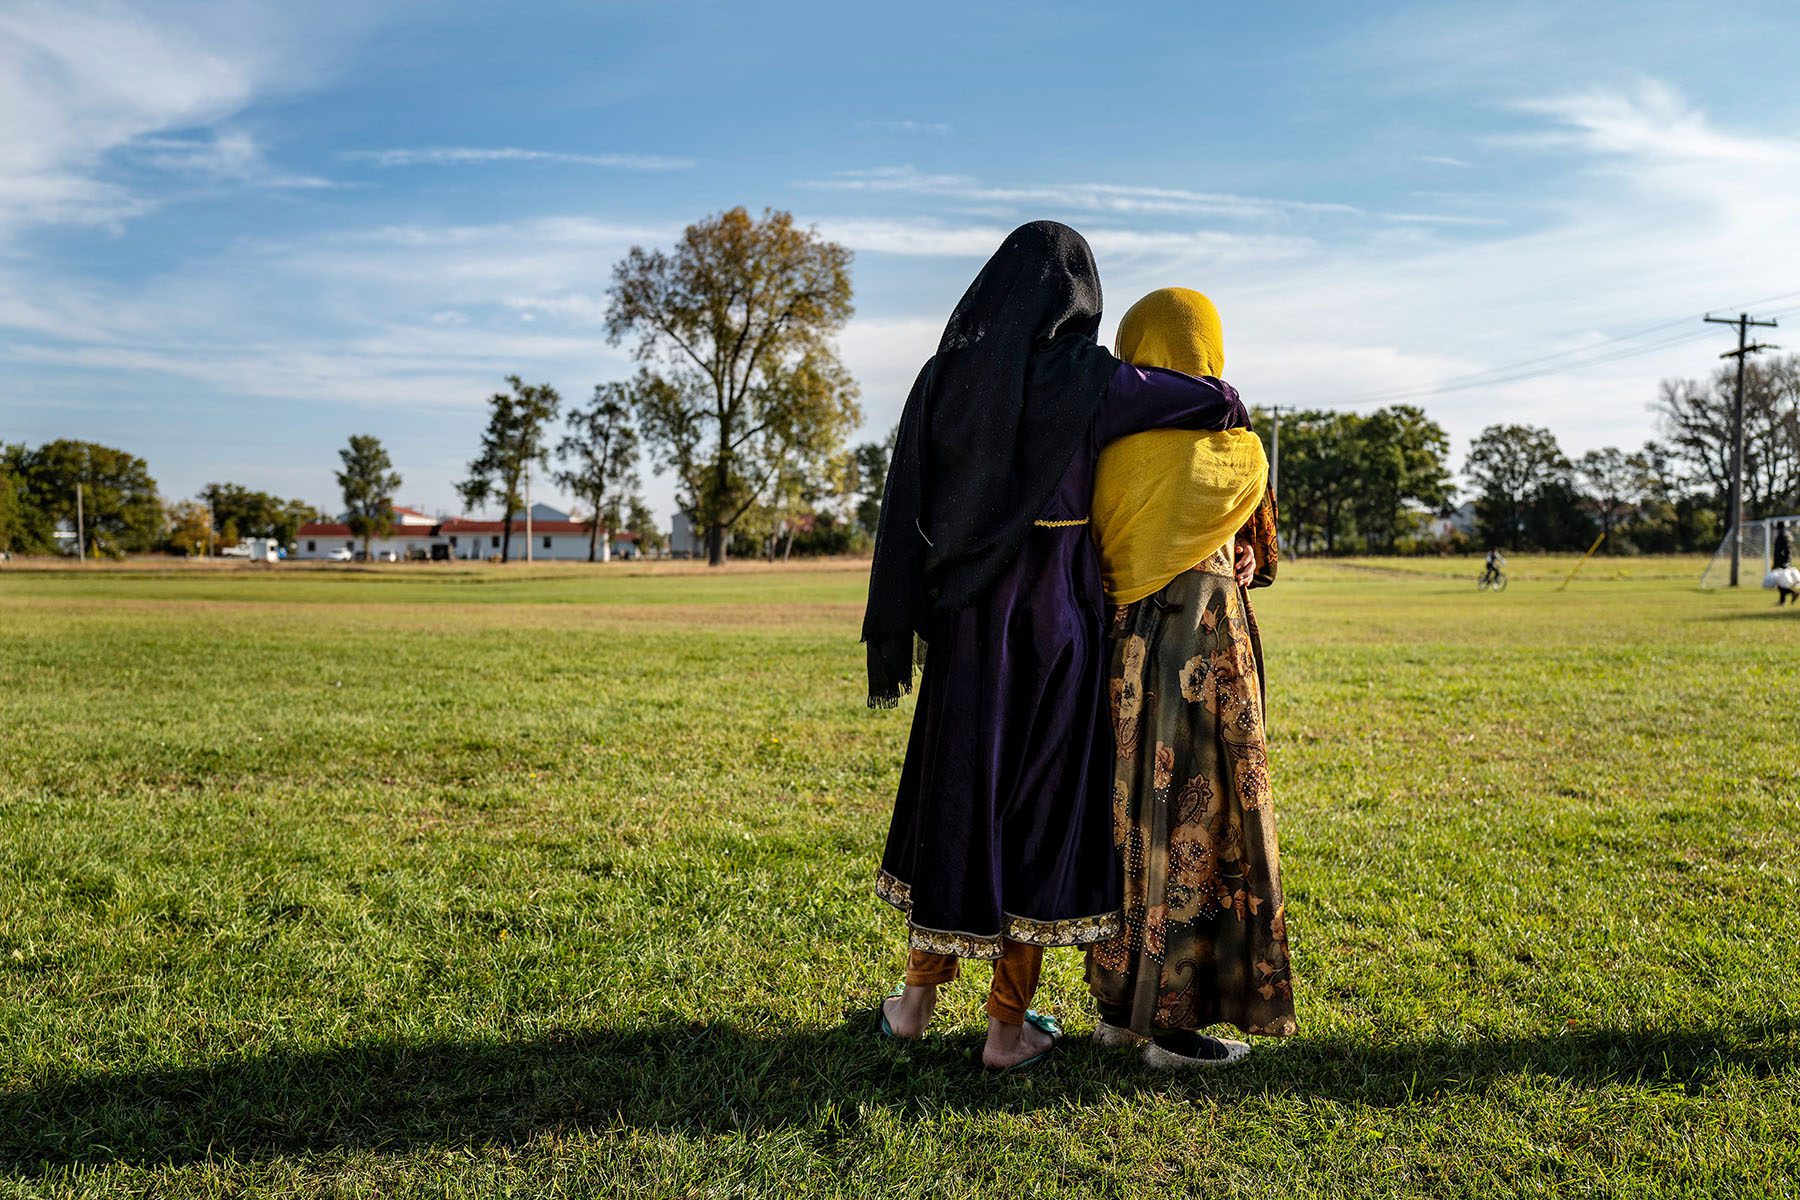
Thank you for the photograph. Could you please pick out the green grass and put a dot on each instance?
(436, 882)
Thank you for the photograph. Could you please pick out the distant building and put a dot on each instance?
(553, 540)
(684, 542)
(1462, 521)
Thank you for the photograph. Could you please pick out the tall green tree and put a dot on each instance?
(639, 520)
(1612, 483)
(255, 514)
(871, 461)
(120, 510)
(1319, 472)
(12, 506)
(1516, 469)
(601, 452)
(1675, 512)
(740, 374)
(510, 446)
(1401, 467)
(369, 482)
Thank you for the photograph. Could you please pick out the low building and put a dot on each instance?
(684, 540)
(550, 540)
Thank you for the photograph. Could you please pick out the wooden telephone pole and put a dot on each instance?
(1745, 348)
(1275, 411)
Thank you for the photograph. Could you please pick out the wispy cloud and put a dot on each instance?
(1443, 160)
(227, 154)
(1654, 122)
(79, 81)
(923, 128)
(1444, 219)
(937, 239)
(1081, 197)
(465, 156)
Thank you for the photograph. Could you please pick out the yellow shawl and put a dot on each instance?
(1166, 499)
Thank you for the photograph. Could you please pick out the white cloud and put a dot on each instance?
(463, 156)
(227, 154)
(80, 80)
(88, 84)
(1121, 199)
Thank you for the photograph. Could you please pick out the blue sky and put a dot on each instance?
(233, 235)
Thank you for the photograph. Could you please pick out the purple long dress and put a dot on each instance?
(1003, 824)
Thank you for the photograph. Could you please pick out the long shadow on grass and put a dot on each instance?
(711, 1079)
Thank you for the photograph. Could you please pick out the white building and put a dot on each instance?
(553, 538)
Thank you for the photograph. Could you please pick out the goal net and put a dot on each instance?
(1756, 541)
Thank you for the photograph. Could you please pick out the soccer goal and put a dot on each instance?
(1755, 553)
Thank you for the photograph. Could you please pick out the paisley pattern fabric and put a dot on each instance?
(1205, 930)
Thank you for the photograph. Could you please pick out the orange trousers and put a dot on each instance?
(1016, 974)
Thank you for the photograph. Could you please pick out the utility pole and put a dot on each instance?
(1745, 349)
(80, 527)
(528, 558)
(1275, 411)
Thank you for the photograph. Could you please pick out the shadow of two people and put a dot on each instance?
(395, 1097)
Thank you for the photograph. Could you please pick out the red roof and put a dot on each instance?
(538, 528)
(460, 525)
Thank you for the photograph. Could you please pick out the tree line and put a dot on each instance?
(740, 396)
(1381, 482)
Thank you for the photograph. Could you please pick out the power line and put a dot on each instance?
(1593, 354)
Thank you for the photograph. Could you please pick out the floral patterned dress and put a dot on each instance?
(1204, 939)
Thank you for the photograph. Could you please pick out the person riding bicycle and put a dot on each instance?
(1495, 561)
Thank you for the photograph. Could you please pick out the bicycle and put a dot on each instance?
(1491, 579)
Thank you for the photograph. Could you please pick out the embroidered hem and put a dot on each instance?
(1060, 524)
(1071, 931)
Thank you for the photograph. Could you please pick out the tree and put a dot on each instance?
(1399, 466)
(602, 451)
(294, 513)
(254, 514)
(734, 330)
(1512, 466)
(120, 511)
(12, 506)
(190, 529)
(1696, 422)
(369, 482)
(1674, 511)
(511, 444)
(642, 522)
(1613, 481)
(1319, 469)
(871, 464)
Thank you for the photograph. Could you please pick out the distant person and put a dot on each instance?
(1001, 841)
(1496, 562)
(1782, 575)
(1185, 522)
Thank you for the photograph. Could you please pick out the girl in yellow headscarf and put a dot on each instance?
(1204, 940)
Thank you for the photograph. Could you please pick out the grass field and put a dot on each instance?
(427, 882)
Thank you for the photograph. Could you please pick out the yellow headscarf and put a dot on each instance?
(1166, 499)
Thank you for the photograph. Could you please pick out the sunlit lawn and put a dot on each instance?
(435, 881)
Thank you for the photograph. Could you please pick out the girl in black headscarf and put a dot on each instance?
(1001, 842)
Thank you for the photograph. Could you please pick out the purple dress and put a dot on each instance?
(1003, 824)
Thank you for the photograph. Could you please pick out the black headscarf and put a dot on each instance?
(988, 430)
